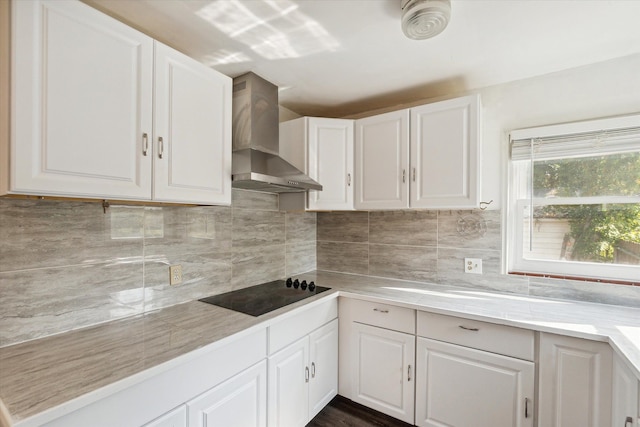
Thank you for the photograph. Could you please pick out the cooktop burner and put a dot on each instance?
(260, 299)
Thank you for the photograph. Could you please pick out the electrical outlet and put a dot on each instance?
(175, 274)
(473, 265)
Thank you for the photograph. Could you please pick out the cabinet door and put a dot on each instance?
(575, 382)
(241, 401)
(192, 137)
(175, 418)
(382, 370)
(288, 396)
(331, 163)
(625, 396)
(82, 87)
(445, 154)
(323, 385)
(382, 160)
(458, 387)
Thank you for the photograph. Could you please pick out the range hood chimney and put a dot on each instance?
(256, 164)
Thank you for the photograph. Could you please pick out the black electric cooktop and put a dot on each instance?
(260, 299)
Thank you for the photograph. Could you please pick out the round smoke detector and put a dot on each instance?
(423, 19)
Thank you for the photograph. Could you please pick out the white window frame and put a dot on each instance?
(515, 256)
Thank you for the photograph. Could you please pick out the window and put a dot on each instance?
(574, 200)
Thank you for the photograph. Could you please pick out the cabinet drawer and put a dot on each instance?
(384, 315)
(292, 328)
(507, 340)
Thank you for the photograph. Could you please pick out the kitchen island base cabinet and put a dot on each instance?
(574, 382)
(240, 401)
(303, 377)
(383, 370)
(459, 387)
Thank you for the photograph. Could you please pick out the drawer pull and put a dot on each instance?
(628, 422)
(380, 310)
(306, 374)
(409, 373)
(526, 407)
(466, 328)
(313, 369)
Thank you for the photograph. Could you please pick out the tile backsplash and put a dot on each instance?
(430, 246)
(66, 265)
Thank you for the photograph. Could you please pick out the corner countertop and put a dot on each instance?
(58, 374)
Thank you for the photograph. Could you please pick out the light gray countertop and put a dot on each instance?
(62, 372)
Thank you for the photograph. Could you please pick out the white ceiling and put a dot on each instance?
(339, 57)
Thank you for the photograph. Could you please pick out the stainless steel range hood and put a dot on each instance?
(256, 163)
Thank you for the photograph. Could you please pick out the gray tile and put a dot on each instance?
(410, 227)
(43, 233)
(37, 303)
(451, 271)
(603, 293)
(300, 257)
(185, 230)
(416, 263)
(254, 265)
(258, 228)
(246, 199)
(300, 227)
(343, 226)
(343, 256)
(469, 229)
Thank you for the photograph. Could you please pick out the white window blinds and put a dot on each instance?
(584, 139)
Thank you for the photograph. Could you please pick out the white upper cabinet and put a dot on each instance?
(382, 160)
(82, 112)
(81, 103)
(423, 157)
(331, 163)
(192, 130)
(445, 154)
(323, 149)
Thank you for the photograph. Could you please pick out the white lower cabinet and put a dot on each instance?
(459, 386)
(303, 377)
(241, 401)
(382, 370)
(626, 396)
(175, 418)
(574, 382)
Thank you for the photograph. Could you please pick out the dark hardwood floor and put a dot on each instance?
(342, 412)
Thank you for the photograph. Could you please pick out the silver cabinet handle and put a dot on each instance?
(380, 310)
(466, 328)
(526, 407)
(306, 374)
(409, 373)
(145, 144)
(628, 422)
(404, 175)
(348, 180)
(160, 147)
(414, 174)
(313, 369)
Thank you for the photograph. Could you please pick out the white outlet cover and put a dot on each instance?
(473, 265)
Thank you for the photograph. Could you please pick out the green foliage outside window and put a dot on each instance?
(596, 229)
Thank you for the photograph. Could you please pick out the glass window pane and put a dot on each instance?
(601, 233)
(612, 175)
